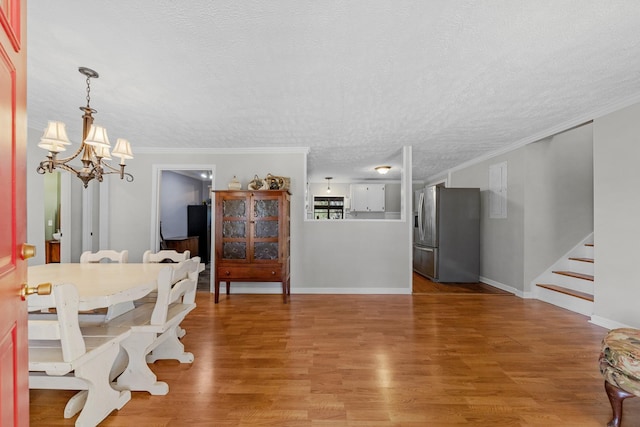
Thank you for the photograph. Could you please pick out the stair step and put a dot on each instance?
(574, 274)
(566, 291)
(581, 259)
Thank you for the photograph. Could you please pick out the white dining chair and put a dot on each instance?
(105, 254)
(167, 255)
(109, 255)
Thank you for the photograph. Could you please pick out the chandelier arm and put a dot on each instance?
(120, 171)
(68, 159)
(66, 167)
(108, 166)
(93, 165)
(122, 174)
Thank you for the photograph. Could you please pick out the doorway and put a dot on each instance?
(57, 217)
(181, 208)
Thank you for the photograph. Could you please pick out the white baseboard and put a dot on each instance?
(353, 291)
(607, 323)
(276, 288)
(504, 287)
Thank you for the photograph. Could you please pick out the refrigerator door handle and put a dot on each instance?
(422, 248)
(421, 216)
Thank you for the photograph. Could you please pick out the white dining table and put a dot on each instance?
(99, 285)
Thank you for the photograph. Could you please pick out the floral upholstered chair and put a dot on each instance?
(620, 366)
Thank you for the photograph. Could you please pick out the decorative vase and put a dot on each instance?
(234, 184)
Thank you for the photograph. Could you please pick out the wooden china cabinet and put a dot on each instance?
(252, 238)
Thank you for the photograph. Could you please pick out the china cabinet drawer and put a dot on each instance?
(254, 274)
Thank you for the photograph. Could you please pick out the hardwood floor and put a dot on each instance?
(422, 285)
(373, 360)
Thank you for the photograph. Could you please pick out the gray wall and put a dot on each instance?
(549, 209)
(559, 198)
(36, 232)
(616, 216)
(359, 256)
(366, 257)
(177, 191)
(51, 203)
(501, 240)
(137, 196)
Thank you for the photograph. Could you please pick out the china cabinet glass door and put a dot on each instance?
(234, 229)
(266, 211)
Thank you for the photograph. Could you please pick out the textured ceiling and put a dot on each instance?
(352, 80)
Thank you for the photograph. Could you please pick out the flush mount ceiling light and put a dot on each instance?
(328, 178)
(383, 169)
(94, 146)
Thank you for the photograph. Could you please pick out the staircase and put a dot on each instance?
(569, 282)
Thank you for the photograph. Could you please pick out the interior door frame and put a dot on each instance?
(65, 217)
(157, 170)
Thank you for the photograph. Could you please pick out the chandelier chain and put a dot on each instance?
(88, 91)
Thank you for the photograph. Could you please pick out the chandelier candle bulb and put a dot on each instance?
(122, 150)
(55, 137)
(52, 146)
(97, 137)
(102, 152)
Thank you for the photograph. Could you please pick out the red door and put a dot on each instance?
(14, 387)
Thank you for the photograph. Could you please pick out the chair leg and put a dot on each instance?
(616, 397)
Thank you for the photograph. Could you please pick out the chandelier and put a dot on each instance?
(95, 146)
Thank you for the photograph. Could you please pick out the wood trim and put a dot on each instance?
(8, 189)
(590, 260)
(566, 291)
(574, 274)
(10, 22)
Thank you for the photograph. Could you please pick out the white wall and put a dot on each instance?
(616, 151)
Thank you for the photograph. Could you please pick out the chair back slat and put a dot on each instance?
(105, 254)
(174, 284)
(169, 255)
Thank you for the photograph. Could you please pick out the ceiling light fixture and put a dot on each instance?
(328, 178)
(94, 147)
(383, 169)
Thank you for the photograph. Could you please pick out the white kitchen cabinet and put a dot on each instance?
(367, 197)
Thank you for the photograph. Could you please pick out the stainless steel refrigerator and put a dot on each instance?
(446, 235)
